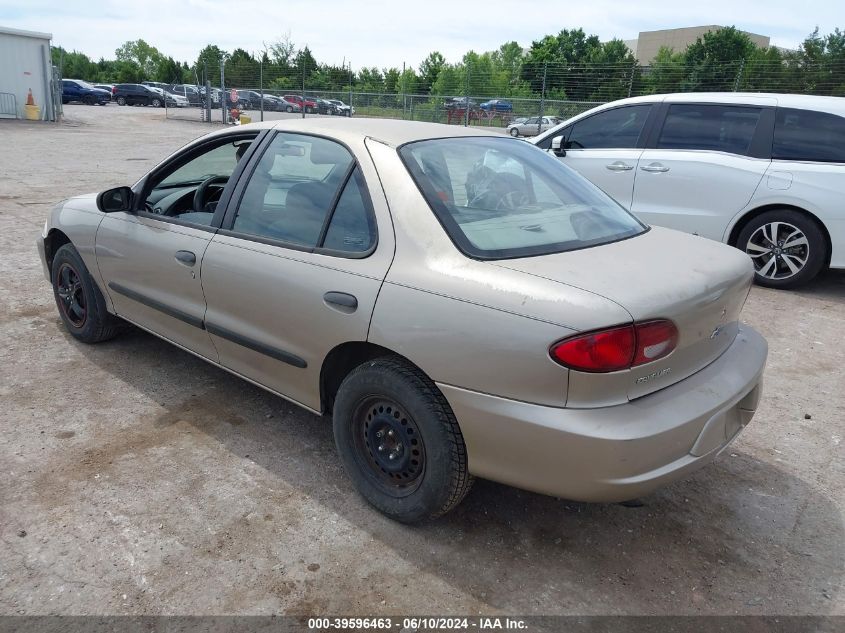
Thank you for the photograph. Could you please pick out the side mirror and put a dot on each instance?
(557, 147)
(117, 199)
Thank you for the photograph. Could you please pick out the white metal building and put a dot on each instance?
(25, 65)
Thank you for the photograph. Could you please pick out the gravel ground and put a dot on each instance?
(136, 479)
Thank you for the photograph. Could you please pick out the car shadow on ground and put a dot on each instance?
(829, 286)
(740, 536)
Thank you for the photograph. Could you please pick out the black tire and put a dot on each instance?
(423, 473)
(81, 305)
(776, 266)
(289, 109)
(89, 100)
(121, 101)
(514, 132)
(156, 103)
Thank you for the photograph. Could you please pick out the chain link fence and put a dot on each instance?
(471, 94)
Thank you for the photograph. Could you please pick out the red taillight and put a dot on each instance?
(617, 348)
(607, 350)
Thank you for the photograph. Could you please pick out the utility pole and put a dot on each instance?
(350, 87)
(223, 110)
(261, 85)
(303, 85)
(738, 78)
(542, 99)
(466, 97)
(404, 102)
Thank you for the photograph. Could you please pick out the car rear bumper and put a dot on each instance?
(620, 452)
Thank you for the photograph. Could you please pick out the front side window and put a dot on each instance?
(500, 198)
(721, 128)
(190, 191)
(809, 135)
(619, 128)
(304, 192)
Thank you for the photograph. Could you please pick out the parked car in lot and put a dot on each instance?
(309, 104)
(192, 93)
(461, 303)
(497, 105)
(137, 94)
(342, 108)
(762, 172)
(82, 91)
(529, 126)
(107, 87)
(459, 103)
(288, 106)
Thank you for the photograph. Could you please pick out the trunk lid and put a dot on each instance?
(699, 284)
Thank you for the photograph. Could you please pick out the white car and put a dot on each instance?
(762, 172)
(528, 127)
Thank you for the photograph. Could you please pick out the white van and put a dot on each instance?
(762, 172)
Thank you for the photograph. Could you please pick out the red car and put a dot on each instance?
(307, 105)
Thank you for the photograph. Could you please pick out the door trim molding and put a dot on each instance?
(256, 346)
(157, 305)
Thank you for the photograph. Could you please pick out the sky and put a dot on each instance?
(386, 33)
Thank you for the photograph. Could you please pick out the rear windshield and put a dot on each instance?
(500, 198)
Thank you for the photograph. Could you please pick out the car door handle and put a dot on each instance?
(619, 166)
(655, 168)
(342, 301)
(186, 257)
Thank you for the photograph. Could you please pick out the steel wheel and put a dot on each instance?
(388, 445)
(71, 296)
(779, 250)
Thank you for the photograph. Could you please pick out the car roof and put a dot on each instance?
(810, 102)
(392, 132)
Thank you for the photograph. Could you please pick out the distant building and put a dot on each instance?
(647, 45)
(25, 65)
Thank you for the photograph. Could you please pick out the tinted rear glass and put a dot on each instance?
(500, 198)
(720, 128)
(809, 135)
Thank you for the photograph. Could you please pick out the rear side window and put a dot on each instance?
(809, 135)
(720, 128)
(619, 128)
(294, 196)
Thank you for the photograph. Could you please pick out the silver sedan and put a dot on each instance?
(460, 303)
(532, 126)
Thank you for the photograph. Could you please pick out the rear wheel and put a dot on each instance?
(787, 247)
(514, 132)
(89, 100)
(81, 305)
(156, 103)
(121, 101)
(399, 441)
(289, 109)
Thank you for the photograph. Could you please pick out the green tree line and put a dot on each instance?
(571, 65)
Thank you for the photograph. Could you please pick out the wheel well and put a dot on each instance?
(744, 220)
(54, 241)
(342, 360)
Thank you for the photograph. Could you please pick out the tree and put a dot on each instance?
(430, 70)
(242, 69)
(208, 62)
(714, 61)
(138, 52)
(666, 72)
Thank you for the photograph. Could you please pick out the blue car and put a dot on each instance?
(497, 105)
(78, 90)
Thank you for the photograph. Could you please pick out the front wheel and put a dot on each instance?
(399, 441)
(155, 103)
(514, 132)
(787, 247)
(89, 100)
(81, 305)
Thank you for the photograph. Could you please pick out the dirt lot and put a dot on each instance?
(136, 479)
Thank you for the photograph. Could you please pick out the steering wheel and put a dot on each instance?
(202, 191)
